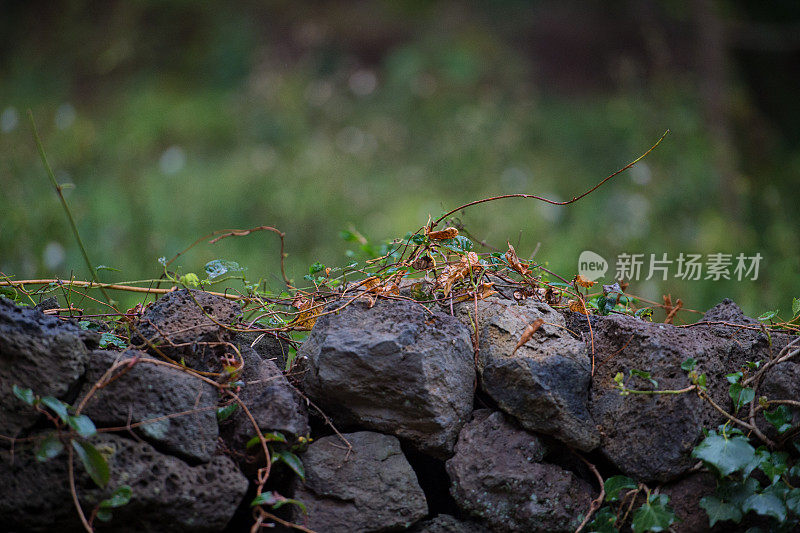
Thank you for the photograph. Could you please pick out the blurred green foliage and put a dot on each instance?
(174, 119)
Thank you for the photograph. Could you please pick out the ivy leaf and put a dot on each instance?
(220, 267)
(109, 339)
(95, 464)
(58, 407)
(275, 501)
(734, 378)
(769, 315)
(26, 395)
(793, 501)
(292, 461)
(740, 395)
(654, 515)
(775, 465)
(121, 496)
(726, 454)
(781, 418)
(765, 504)
(615, 484)
(275, 436)
(644, 375)
(50, 447)
(795, 306)
(719, 511)
(82, 424)
(316, 267)
(603, 522)
(689, 364)
(223, 413)
(458, 244)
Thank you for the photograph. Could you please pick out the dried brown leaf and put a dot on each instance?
(583, 282)
(528, 333)
(447, 233)
(513, 260)
(577, 307)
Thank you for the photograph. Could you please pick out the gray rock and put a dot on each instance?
(147, 392)
(444, 523)
(167, 494)
(37, 352)
(781, 382)
(395, 368)
(545, 384)
(496, 476)
(272, 401)
(266, 345)
(371, 488)
(684, 498)
(178, 325)
(650, 437)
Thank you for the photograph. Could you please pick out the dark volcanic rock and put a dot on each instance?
(545, 384)
(496, 475)
(272, 401)
(650, 437)
(371, 488)
(266, 345)
(781, 382)
(167, 494)
(179, 318)
(684, 498)
(395, 368)
(444, 523)
(149, 391)
(38, 352)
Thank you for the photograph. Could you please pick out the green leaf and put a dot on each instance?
(121, 496)
(50, 447)
(654, 515)
(769, 315)
(104, 515)
(275, 501)
(603, 522)
(58, 407)
(109, 339)
(644, 375)
(765, 504)
(95, 464)
(740, 395)
(26, 395)
(701, 381)
(292, 461)
(615, 484)
(316, 267)
(795, 307)
(98, 268)
(781, 418)
(725, 453)
(689, 364)
(646, 312)
(82, 424)
(223, 413)
(775, 465)
(275, 436)
(220, 267)
(458, 244)
(719, 511)
(793, 501)
(734, 378)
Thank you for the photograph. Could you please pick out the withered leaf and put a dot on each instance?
(577, 307)
(447, 233)
(423, 262)
(513, 260)
(528, 333)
